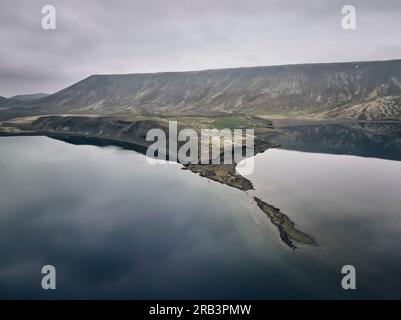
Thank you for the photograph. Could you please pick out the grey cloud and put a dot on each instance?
(124, 36)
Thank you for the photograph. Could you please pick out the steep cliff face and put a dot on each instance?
(290, 90)
(379, 108)
(104, 127)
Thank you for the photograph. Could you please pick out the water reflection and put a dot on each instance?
(379, 140)
(116, 227)
(351, 205)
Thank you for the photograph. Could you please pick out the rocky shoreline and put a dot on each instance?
(286, 227)
(221, 173)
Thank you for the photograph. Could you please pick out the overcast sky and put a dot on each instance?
(122, 36)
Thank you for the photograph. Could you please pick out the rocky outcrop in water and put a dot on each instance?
(286, 227)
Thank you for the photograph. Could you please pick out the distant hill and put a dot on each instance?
(363, 90)
(29, 97)
(6, 102)
(20, 101)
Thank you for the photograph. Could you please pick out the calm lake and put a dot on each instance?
(115, 226)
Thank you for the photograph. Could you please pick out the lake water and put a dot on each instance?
(116, 227)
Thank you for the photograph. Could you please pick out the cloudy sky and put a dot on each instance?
(130, 36)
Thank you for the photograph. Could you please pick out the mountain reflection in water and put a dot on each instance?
(378, 140)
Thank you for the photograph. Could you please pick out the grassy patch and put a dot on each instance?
(229, 122)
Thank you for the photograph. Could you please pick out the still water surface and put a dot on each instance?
(116, 227)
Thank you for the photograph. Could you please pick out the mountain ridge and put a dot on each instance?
(29, 97)
(291, 90)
